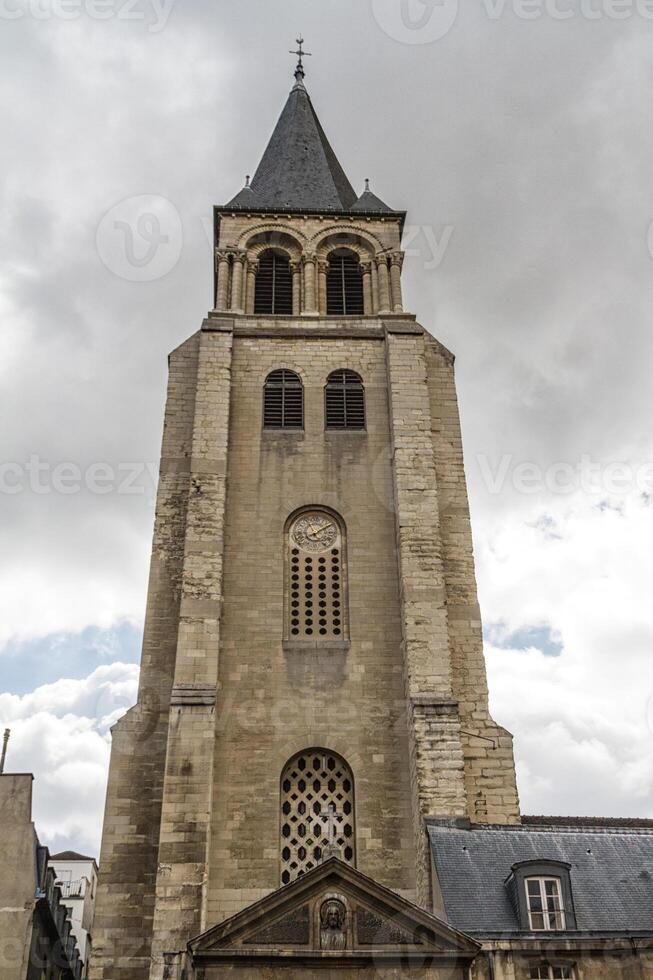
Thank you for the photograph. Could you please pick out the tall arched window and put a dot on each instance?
(316, 578)
(317, 812)
(273, 292)
(283, 401)
(344, 401)
(344, 284)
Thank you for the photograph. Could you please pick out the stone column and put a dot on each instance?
(375, 288)
(436, 754)
(367, 288)
(252, 269)
(237, 271)
(309, 284)
(296, 270)
(396, 263)
(384, 284)
(222, 298)
(322, 269)
(182, 874)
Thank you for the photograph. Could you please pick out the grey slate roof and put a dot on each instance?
(370, 202)
(611, 874)
(299, 169)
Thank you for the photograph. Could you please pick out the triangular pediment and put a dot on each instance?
(333, 910)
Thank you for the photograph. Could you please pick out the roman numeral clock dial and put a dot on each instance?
(315, 532)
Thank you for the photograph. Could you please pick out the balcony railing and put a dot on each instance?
(72, 889)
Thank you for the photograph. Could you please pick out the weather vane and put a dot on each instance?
(300, 53)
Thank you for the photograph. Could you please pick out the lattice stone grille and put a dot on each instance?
(317, 812)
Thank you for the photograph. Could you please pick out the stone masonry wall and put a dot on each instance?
(188, 788)
(436, 759)
(275, 700)
(128, 860)
(489, 764)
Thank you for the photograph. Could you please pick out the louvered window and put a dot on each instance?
(344, 398)
(273, 292)
(344, 284)
(283, 401)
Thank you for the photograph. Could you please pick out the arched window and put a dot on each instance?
(273, 293)
(316, 605)
(283, 401)
(317, 812)
(344, 284)
(344, 401)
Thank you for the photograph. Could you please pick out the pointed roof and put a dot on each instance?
(299, 168)
(369, 201)
(378, 922)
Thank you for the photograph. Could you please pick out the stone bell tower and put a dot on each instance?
(313, 687)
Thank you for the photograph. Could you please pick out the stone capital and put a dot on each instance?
(397, 258)
(366, 267)
(309, 258)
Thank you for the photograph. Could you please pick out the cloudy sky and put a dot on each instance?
(517, 134)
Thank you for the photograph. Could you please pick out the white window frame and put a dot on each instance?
(555, 971)
(549, 910)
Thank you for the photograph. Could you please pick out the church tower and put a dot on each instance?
(313, 688)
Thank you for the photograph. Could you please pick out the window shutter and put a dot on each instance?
(344, 401)
(344, 285)
(273, 292)
(283, 401)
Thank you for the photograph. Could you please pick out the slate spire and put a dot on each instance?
(299, 168)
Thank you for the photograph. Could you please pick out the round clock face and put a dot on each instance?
(315, 532)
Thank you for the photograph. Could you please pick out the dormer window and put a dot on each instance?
(540, 892)
(545, 905)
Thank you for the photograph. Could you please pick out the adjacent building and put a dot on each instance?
(76, 876)
(36, 938)
(311, 783)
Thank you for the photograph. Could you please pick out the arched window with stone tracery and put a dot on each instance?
(316, 581)
(317, 812)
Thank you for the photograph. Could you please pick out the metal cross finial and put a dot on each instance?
(300, 55)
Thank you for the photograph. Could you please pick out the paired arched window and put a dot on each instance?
(273, 292)
(316, 578)
(283, 401)
(317, 812)
(344, 284)
(344, 401)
